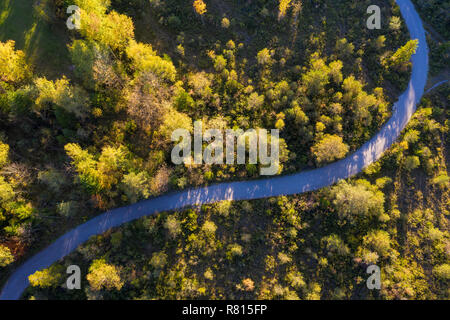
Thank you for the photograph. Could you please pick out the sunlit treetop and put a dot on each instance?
(200, 7)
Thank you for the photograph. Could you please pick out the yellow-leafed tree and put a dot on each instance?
(283, 7)
(200, 7)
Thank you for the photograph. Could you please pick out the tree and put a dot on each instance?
(442, 271)
(7, 193)
(199, 7)
(284, 258)
(135, 186)
(318, 75)
(403, 54)
(380, 42)
(86, 167)
(147, 102)
(282, 8)
(352, 88)
(264, 57)
(344, 48)
(113, 29)
(45, 11)
(200, 82)
(54, 179)
(255, 101)
(47, 278)
(412, 162)
(104, 276)
(94, 6)
(378, 241)
(358, 200)
(314, 291)
(111, 165)
(13, 67)
(335, 245)
(248, 284)
(225, 23)
(173, 226)
(4, 151)
(234, 250)
(395, 23)
(172, 121)
(295, 279)
(298, 115)
(6, 256)
(144, 58)
(335, 71)
(209, 228)
(158, 260)
(84, 54)
(330, 148)
(72, 99)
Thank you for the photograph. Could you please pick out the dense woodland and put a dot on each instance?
(437, 23)
(94, 134)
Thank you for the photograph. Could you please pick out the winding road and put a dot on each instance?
(246, 190)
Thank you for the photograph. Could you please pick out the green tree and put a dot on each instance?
(264, 57)
(4, 151)
(13, 67)
(255, 101)
(159, 260)
(86, 167)
(403, 54)
(135, 186)
(144, 58)
(378, 241)
(317, 77)
(54, 179)
(59, 93)
(234, 250)
(173, 226)
(112, 163)
(7, 193)
(442, 271)
(330, 148)
(113, 29)
(6, 256)
(93, 6)
(220, 63)
(172, 121)
(395, 24)
(47, 278)
(225, 23)
(104, 276)
(357, 200)
(344, 48)
(84, 55)
(209, 228)
(335, 245)
(412, 162)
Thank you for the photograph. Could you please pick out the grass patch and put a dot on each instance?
(44, 44)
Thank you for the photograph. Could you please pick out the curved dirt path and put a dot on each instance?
(246, 190)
